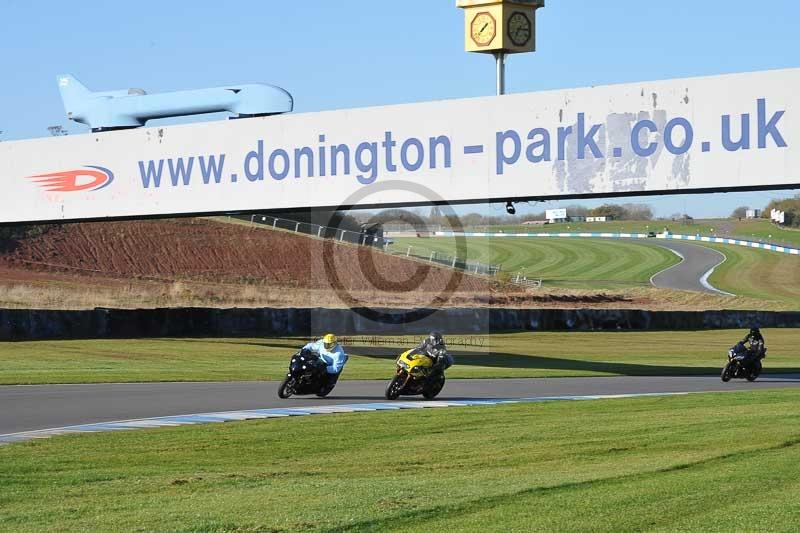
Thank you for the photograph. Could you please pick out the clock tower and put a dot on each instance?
(507, 26)
(500, 27)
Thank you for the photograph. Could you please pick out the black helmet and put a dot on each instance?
(755, 331)
(435, 340)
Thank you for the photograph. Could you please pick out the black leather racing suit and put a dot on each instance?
(755, 346)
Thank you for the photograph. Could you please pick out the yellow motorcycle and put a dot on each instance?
(415, 375)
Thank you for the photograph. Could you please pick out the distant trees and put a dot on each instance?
(682, 217)
(609, 210)
(574, 211)
(623, 212)
(637, 212)
(437, 216)
(790, 206)
(740, 212)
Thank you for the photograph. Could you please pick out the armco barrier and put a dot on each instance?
(20, 324)
(698, 238)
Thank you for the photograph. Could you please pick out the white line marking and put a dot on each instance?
(704, 280)
(209, 418)
(668, 268)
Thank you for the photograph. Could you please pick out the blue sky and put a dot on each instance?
(352, 53)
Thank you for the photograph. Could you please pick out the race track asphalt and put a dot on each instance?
(691, 273)
(34, 407)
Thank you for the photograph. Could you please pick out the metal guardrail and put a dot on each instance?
(470, 267)
(465, 341)
(323, 232)
(533, 283)
(463, 264)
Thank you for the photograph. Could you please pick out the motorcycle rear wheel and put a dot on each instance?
(433, 390)
(753, 374)
(393, 389)
(726, 373)
(286, 389)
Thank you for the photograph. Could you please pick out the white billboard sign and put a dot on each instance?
(718, 133)
(778, 216)
(555, 214)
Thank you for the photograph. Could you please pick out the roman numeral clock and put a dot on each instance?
(500, 27)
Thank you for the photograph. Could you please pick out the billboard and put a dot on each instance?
(778, 216)
(729, 132)
(555, 214)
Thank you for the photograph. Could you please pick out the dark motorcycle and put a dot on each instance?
(307, 375)
(742, 364)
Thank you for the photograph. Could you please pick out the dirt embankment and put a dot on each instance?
(209, 262)
(206, 250)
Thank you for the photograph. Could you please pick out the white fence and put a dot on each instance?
(364, 238)
(525, 281)
(471, 267)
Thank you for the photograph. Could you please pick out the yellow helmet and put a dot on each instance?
(329, 340)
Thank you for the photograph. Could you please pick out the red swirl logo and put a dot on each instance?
(90, 178)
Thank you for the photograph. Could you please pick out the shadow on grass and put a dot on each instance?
(287, 344)
(535, 362)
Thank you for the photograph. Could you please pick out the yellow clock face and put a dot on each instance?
(483, 29)
(519, 28)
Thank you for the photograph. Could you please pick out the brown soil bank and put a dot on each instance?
(206, 250)
(213, 263)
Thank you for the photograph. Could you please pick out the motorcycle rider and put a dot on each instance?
(434, 347)
(331, 352)
(754, 341)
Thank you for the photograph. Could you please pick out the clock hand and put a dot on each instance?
(484, 27)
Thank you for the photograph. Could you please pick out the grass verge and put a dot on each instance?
(758, 274)
(552, 354)
(585, 263)
(725, 462)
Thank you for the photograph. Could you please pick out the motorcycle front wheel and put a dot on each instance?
(393, 389)
(726, 373)
(286, 389)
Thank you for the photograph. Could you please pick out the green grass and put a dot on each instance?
(607, 264)
(757, 229)
(553, 354)
(713, 462)
(758, 274)
(565, 262)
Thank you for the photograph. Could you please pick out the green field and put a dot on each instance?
(710, 462)
(606, 264)
(559, 262)
(755, 230)
(553, 354)
(758, 274)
